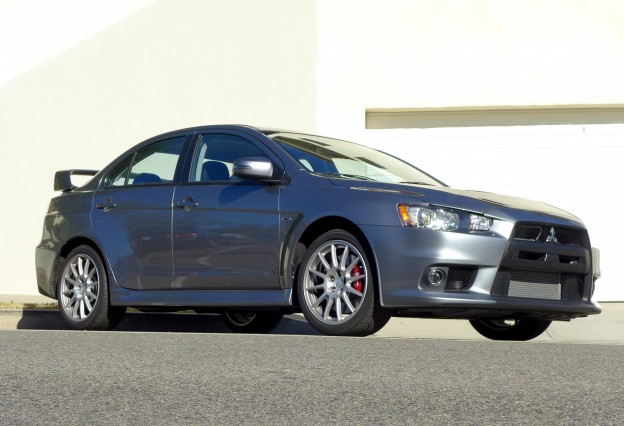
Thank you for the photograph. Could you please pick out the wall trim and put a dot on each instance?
(484, 116)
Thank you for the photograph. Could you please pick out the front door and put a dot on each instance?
(225, 229)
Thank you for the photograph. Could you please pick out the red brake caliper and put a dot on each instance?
(358, 284)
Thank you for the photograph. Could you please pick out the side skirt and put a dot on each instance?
(208, 298)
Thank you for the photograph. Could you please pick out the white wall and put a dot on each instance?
(448, 53)
(152, 67)
(34, 31)
(476, 53)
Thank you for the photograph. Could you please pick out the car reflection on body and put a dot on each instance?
(255, 223)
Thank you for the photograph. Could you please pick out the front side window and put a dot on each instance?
(153, 164)
(215, 155)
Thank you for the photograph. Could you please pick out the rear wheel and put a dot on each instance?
(509, 329)
(251, 322)
(82, 292)
(336, 287)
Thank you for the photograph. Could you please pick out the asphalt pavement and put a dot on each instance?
(182, 368)
(61, 377)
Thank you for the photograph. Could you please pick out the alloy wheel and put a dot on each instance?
(79, 287)
(335, 282)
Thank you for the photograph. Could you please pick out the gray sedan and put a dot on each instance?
(255, 223)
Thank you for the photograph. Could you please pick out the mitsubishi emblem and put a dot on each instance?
(551, 238)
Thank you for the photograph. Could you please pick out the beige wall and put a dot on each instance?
(168, 65)
(141, 67)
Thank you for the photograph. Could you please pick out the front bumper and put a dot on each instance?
(498, 276)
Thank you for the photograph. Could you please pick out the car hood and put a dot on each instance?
(494, 205)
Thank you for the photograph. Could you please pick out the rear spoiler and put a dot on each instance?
(62, 178)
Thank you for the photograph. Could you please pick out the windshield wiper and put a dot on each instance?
(345, 175)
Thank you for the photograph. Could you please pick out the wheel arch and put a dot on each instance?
(69, 245)
(318, 228)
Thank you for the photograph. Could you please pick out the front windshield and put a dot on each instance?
(325, 156)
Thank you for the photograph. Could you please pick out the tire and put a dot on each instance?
(251, 322)
(503, 329)
(82, 292)
(336, 287)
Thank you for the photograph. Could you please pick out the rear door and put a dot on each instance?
(132, 215)
(225, 229)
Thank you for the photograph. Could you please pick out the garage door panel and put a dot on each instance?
(579, 168)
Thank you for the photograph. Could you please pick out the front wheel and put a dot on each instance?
(82, 292)
(508, 329)
(251, 322)
(336, 287)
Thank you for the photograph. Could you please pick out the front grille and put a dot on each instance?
(538, 285)
(546, 262)
(459, 278)
(535, 277)
(455, 278)
(528, 232)
(570, 237)
(551, 234)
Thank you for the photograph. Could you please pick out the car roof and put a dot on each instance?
(265, 130)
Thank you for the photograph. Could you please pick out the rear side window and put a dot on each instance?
(120, 174)
(153, 164)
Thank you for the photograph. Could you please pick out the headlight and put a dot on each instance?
(479, 223)
(442, 219)
(430, 218)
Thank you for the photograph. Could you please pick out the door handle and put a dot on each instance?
(106, 205)
(187, 204)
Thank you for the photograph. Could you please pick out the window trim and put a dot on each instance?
(192, 153)
(182, 159)
(108, 179)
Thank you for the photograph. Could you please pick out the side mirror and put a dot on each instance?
(258, 168)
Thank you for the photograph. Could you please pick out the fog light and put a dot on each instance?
(436, 277)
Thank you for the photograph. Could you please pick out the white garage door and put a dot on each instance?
(579, 168)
